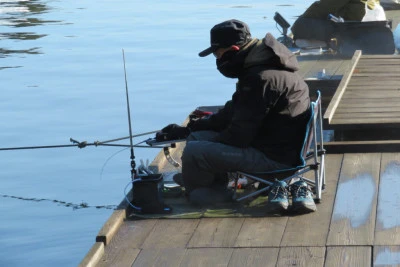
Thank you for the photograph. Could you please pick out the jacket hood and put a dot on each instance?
(269, 51)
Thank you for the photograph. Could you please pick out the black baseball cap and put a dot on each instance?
(227, 33)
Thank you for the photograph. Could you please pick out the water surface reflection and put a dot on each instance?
(16, 15)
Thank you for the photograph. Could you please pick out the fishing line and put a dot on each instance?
(127, 199)
(105, 163)
(74, 206)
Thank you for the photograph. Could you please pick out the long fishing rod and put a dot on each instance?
(133, 164)
(78, 144)
(126, 137)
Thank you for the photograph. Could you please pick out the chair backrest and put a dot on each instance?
(310, 129)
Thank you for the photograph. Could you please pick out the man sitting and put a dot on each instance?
(260, 129)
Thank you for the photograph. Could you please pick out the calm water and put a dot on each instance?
(61, 73)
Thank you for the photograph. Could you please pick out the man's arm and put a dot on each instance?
(248, 116)
(216, 122)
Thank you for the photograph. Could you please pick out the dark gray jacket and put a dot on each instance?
(270, 107)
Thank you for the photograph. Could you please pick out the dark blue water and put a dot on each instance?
(62, 76)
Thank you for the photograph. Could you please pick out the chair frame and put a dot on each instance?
(312, 150)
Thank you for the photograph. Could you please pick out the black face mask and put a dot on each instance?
(230, 64)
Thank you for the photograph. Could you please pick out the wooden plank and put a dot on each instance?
(312, 229)
(371, 102)
(207, 257)
(377, 57)
(380, 94)
(112, 225)
(330, 65)
(122, 257)
(261, 232)
(374, 71)
(130, 236)
(341, 89)
(378, 70)
(394, 62)
(386, 256)
(345, 256)
(373, 80)
(370, 134)
(349, 109)
(353, 123)
(216, 232)
(374, 85)
(344, 67)
(171, 233)
(376, 75)
(306, 63)
(301, 256)
(266, 257)
(353, 217)
(379, 62)
(387, 220)
(373, 117)
(362, 146)
(93, 257)
(159, 257)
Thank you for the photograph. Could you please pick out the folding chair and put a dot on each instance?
(312, 158)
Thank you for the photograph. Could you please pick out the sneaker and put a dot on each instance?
(302, 200)
(278, 197)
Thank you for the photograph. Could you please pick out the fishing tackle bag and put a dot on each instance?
(147, 195)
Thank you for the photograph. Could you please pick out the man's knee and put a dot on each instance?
(191, 151)
(202, 136)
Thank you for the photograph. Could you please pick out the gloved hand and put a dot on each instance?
(172, 132)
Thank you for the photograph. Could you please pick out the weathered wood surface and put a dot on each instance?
(312, 66)
(356, 224)
(371, 97)
(353, 217)
(341, 89)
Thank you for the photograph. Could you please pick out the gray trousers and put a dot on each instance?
(206, 163)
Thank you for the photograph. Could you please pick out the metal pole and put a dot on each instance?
(133, 164)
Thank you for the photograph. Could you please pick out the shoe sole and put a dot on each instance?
(303, 208)
(275, 207)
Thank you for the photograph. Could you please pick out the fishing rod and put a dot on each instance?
(133, 164)
(126, 137)
(85, 144)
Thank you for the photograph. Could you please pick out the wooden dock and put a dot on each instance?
(368, 97)
(357, 222)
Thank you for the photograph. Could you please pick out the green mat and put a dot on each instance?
(181, 208)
